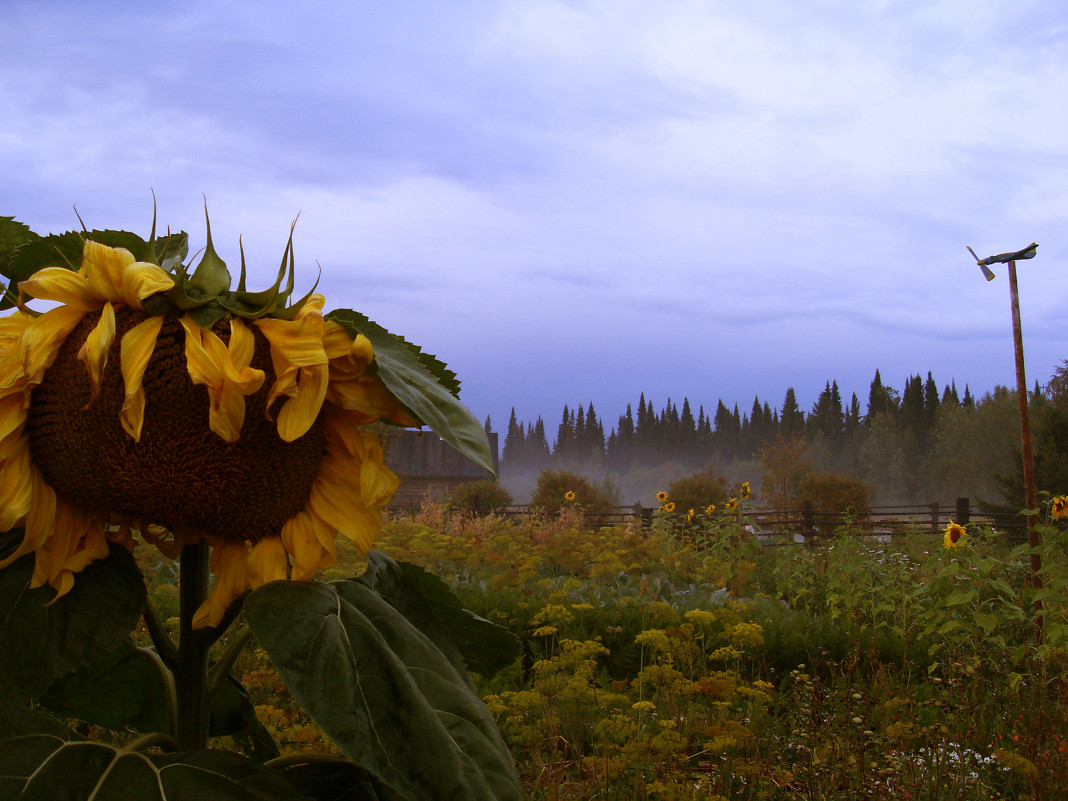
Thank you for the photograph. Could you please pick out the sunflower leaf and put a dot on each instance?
(382, 691)
(13, 234)
(41, 759)
(336, 780)
(39, 644)
(426, 387)
(120, 689)
(232, 714)
(432, 607)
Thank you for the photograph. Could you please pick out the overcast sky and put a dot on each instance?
(575, 202)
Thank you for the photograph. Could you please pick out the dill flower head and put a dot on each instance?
(154, 401)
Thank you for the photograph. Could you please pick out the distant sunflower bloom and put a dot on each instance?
(245, 433)
(710, 509)
(731, 504)
(954, 535)
(569, 495)
(690, 515)
(1059, 507)
(661, 496)
(745, 492)
(669, 506)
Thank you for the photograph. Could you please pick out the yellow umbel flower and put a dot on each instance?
(241, 429)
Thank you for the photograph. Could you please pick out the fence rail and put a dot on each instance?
(808, 522)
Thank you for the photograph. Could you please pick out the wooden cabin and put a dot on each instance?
(428, 468)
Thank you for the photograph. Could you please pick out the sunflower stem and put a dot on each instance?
(160, 639)
(220, 671)
(191, 671)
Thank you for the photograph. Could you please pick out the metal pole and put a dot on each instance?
(1030, 497)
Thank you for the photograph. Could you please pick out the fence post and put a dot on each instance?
(963, 511)
(934, 518)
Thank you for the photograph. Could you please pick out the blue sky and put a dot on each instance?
(575, 202)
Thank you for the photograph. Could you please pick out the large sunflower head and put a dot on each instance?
(155, 400)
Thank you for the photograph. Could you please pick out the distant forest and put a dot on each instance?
(921, 444)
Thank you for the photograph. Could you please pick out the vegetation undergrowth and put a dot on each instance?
(693, 660)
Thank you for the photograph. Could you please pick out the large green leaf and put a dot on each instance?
(45, 767)
(40, 643)
(233, 714)
(121, 689)
(469, 641)
(382, 691)
(426, 387)
(336, 780)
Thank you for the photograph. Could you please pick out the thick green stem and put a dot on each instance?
(192, 667)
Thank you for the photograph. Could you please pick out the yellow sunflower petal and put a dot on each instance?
(95, 349)
(40, 518)
(66, 287)
(228, 565)
(16, 486)
(42, 339)
(242, 344)
(267, 562)
(301, 541)
(102, 268)
(134, 353)
(335, 499)
(377, 483)
(296, 344)
(364, 394)
(211, 363)
(13, 416)
(141, 280)
(90, 548)
(299, 412)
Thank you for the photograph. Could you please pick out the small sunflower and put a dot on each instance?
(154, 401)
(569, 495)
(955, 535)
(1058, 507)
(690, 515)
(745, 491)
(732, 503)
(669, 507)
(661, 496)
(710, 509)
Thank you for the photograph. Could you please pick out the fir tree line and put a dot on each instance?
(727, 434)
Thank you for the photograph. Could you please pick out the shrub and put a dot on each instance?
(697, 492)
(480, 497)
(832, 496)
(556, 486)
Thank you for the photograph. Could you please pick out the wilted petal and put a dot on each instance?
(141, 280)
(95, 349)
(16, 486)
(299, 412)
(267, 562)
(137, 346)
(228, 565)
(42, 339)
(300, 538)
(102, 268)
(211, 363)
(62, 285)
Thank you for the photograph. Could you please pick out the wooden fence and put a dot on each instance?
(807, 522)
